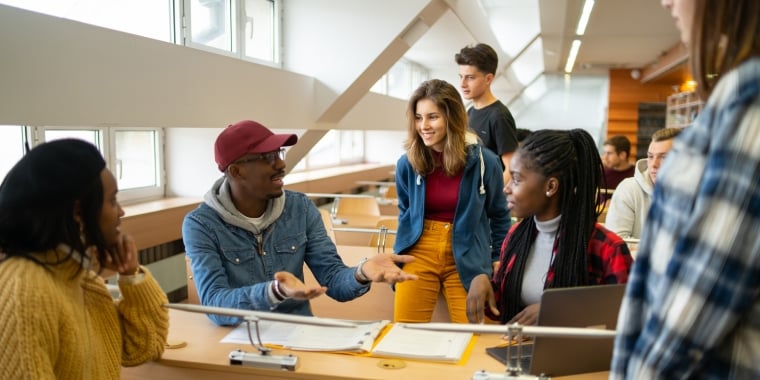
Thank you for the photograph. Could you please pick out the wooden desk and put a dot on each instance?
(205, 358)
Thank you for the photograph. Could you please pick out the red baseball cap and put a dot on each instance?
(245, 137)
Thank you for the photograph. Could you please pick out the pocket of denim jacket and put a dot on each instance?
(290, 245)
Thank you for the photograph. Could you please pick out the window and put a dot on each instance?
(241, 28)
(211, 23)
(337, 147)
(11, 147)
(260, 31)
(134, 155)
(247, 29)
(403, 78)
(136, 161)
(147, 18)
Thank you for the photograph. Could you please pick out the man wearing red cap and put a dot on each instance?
(248, 241)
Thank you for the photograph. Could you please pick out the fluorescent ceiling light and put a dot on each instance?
(585, 14)
(573, 54)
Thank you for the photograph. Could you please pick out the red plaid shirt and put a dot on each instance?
(609, 262)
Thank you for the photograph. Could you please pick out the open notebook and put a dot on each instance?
(585, 306)
(401, 342)
(358, 338)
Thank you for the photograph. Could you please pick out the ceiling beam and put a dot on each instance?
(667, 61)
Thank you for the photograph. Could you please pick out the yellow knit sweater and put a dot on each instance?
(56, 324)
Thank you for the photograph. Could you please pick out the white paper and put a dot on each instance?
(358, 338)
(423, 344)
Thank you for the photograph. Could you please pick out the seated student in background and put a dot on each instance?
(630, 202)
(452, 214)
(248, 241)
(59, 233)
(616, 160)
(555, 188)
(522, 134)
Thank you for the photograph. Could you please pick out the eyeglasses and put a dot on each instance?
(270, 157)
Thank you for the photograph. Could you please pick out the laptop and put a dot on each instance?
(585, 306)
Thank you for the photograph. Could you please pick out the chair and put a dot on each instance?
(356, 206)
(192, 291)
(603, 216)
(328, 222)
(390, 192)
(384, 239)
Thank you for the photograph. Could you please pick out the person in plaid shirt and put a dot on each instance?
(555, 188)
(692, 307)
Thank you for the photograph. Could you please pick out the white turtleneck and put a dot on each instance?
(539, 261)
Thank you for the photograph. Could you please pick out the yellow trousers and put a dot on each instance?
(435, 267)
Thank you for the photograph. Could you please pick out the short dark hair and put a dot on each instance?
(620, 143)
(522, 134)
(482, 56)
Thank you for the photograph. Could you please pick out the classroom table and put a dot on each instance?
(204, 357)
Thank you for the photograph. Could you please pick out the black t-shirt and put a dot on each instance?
(495, 126)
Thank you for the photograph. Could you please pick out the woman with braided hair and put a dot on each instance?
(555, 189)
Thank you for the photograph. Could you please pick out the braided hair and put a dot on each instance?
(572, 158)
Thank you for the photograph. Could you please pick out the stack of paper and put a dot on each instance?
(404, 342)
(358, 338)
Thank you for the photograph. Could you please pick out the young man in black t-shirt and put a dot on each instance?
(488, 116)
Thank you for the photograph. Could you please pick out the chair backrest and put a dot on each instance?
(389, 239)
(603, 216)
(328, 222)
(390, 192)
(357, 206)
(192, 291)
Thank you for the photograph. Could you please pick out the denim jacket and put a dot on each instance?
(232, 266)
(481, 218)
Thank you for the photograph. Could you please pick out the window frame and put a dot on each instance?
(106, 143)
(237, 32)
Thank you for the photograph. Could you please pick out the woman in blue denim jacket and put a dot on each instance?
(247, 243)
(453, 223)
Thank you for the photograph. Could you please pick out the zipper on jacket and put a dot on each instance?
(259, 239)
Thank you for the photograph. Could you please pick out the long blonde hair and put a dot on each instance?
(449, 102)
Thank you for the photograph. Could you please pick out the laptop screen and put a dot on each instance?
(585, 306)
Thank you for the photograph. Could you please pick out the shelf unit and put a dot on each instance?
(683, 108)
(651, 118)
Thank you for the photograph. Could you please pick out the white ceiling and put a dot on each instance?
(620, 34)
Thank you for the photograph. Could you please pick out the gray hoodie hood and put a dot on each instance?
(220, 199)
(641, 175)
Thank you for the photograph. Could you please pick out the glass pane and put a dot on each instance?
(11, 147)
(259, 38)
(136, 159)
(211, 23)
(91, 136)
(351, 146)
(323, 154)
(400, 80)
(147, 18)
(380, 87)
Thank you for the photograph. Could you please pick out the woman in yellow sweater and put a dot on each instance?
(59, 236)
